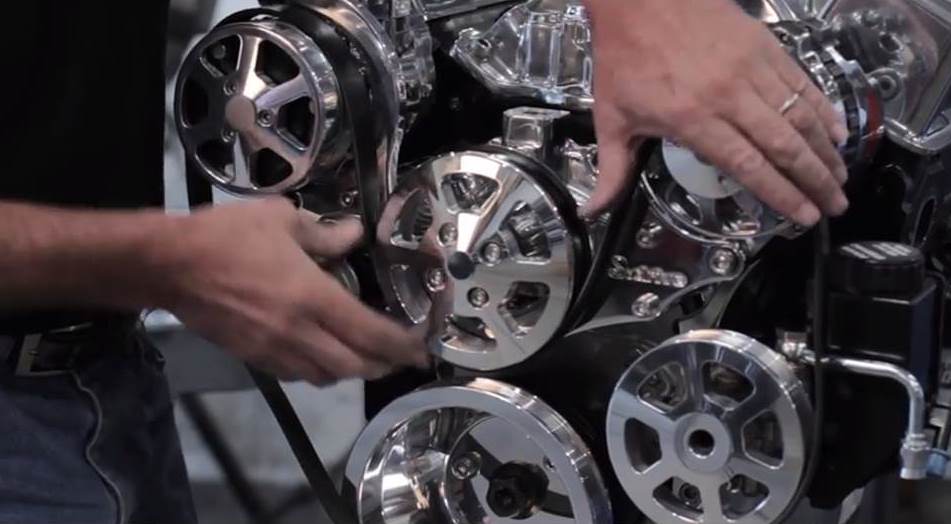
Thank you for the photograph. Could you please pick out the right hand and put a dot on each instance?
(244, 277)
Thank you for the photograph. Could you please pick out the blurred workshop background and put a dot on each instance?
(241, 468)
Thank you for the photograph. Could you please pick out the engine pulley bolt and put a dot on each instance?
(435, 279)
(466, 466)
(492, 253)
(230, 87)
(690, 495)
(646, 305)
(227, 135)
(265, 118)
(649, 235)
(348, 198)
(447, 234)
(723, 262)
(478, 297)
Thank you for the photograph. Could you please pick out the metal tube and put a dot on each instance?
(916, 448)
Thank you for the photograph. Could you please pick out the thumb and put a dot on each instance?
(329, 239)
(616, 156)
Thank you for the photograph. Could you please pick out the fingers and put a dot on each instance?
(803, 116)
(723, 145)
(793, 75)
(785, 147)
(615, 160)
(329, 239)
(364, 330)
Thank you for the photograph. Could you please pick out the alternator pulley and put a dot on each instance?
(710, 426)
(478, 247)
(255, 106)
(470, 453)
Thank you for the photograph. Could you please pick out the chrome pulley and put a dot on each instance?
(700, 201)
(255, 105)
(710, 426)
(479, 247)
(473, 453)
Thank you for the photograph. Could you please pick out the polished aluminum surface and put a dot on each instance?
(710, 426)
(436, 455)
(539, 49)
(904, 45)
(916, 449)
(254, 104)
(475, 249)
(698, 200)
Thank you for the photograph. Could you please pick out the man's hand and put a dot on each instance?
(714, 79)
(243, 276)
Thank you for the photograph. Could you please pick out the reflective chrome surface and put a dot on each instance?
(699, 200)
(473, 453)
(540, 49)
(254, 105)
(710, 426)
(474, 247)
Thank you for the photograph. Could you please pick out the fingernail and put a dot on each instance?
(840, 134)
(807, 214)
(842, 174)
(839, 205)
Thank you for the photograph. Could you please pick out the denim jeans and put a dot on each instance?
(95, 445)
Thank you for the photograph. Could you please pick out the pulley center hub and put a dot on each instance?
(240, 113)
(460, 265)
(705, 445)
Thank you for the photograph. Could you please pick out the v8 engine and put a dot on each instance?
(692, 356)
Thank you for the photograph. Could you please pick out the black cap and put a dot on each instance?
(877, 268)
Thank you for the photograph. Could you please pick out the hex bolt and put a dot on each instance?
(230, 87)
(227, 135)
(436, 279)
(690, 495)
(265, 118)
(646, 305)
(466, 466)
(492, 253)
(648, 235)
(478, 297)
(447, 234)
(348, 198)
(723, 262)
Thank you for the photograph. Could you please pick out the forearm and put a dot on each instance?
(64, 258)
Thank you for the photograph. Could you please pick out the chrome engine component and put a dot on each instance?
(471, 200)
(710, 426)
(474, 452)
(476, 244)
(256, 105)
(540, 49)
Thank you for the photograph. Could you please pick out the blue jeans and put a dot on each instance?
(96, 445)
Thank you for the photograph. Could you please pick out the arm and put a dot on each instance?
(709, 76)
(241, 275)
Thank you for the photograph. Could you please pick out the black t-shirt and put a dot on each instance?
(82, 113)
(82, 109)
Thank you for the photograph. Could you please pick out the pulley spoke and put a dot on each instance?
(631, 406)
(274, 98)
(712, 503)
(249, 82)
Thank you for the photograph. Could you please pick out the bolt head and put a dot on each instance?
(478, 297)
(265, 118)
(723, 262)
(436, 279)
(228, 135)
(466, 466)
(492, 253)
(646, 305)
(447, 234)
(230, 87)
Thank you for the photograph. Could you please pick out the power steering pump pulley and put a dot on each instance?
(255, 105)
(472, 453)
(477, 245)
(710, 427)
